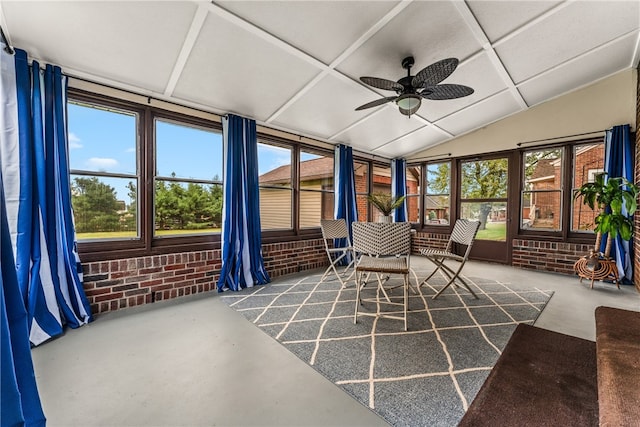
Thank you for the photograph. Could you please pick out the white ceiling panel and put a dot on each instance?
(378, 129)
(428, 30)
(296, 64)
(572, 31)
(466, 74)
(580, 72)
(323, 29)
(129, 42)
(480, 114)
(499, 18)
(419, 140)
(327, 108)
(238, 71)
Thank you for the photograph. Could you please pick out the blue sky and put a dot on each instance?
(105, 141)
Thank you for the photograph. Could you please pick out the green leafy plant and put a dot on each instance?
(385, 203)
(608, 196)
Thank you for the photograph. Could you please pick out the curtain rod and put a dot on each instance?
(7, 48)
(435, 156)
(553, 140)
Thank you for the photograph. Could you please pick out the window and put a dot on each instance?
(437, 202)
(381, 184)
(414, 178)
(188, 179)
(361, 173)
(483, 196)
(588, 161)
(550, 178)
(541, 206)
(316, 188)
(103, 158)
(276, 191)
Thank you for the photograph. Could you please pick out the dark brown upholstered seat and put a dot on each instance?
(542, 378)
(618, 349)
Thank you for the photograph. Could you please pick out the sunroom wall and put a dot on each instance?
(117, 284)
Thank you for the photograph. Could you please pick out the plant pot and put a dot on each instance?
(385, 218)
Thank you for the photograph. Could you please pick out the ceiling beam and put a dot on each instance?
(331, 68)
(187, 47)
(480, 35)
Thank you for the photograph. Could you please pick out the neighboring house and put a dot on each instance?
(316, 193)
(543, 210)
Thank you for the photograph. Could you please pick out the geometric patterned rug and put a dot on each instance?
(427, 375)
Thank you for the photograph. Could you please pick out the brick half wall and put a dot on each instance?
(556, 257)
(553, 257)
(118, 284)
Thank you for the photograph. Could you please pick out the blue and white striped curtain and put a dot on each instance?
(35, 173)
(618, 162)
(345, 191)
(19, 403)
(242, 262)
(399, 187)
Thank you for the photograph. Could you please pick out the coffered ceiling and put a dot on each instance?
(295, 65)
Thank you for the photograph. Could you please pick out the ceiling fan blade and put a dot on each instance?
(434, 73)
(382, 83)
(446, 91)
(376, 103)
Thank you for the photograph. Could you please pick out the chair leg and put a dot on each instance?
(358, 279)
(439, 264)
(332, 267)
(452, 276)
(406, 299)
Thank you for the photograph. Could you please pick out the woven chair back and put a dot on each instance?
(382, 239)
(334, 229)
(464, 231)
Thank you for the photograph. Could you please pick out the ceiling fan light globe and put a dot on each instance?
(408, 104)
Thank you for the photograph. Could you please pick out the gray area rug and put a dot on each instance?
(426, 376)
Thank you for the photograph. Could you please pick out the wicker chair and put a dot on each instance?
(337, 229)
(384, 249)
(464, 233)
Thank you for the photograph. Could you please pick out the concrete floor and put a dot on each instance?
(195, 362)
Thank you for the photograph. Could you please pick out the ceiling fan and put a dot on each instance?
(411, 89)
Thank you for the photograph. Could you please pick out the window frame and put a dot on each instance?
(565, 234)
(186, 121)
(453, 196)
(279, 143)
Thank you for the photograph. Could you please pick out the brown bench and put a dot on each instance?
(545, 378)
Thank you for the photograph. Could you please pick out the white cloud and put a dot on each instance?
(74, 141)
(102, 163)
(273, 149)
(130, 150)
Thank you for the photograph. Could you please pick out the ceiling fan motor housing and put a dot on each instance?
(408, 62)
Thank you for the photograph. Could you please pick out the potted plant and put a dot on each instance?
(385, 204)
(607, 196)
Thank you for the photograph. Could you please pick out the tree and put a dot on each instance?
(187, 206)
(532, 159)
(95, 205)
(484, 179)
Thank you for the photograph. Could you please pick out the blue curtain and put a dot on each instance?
(618, 162)
(242, 262)
(36, 187)
(399, 187)
(20, 402)
(345, 192)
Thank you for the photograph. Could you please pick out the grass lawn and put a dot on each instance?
(132, 234)
(495, 231)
